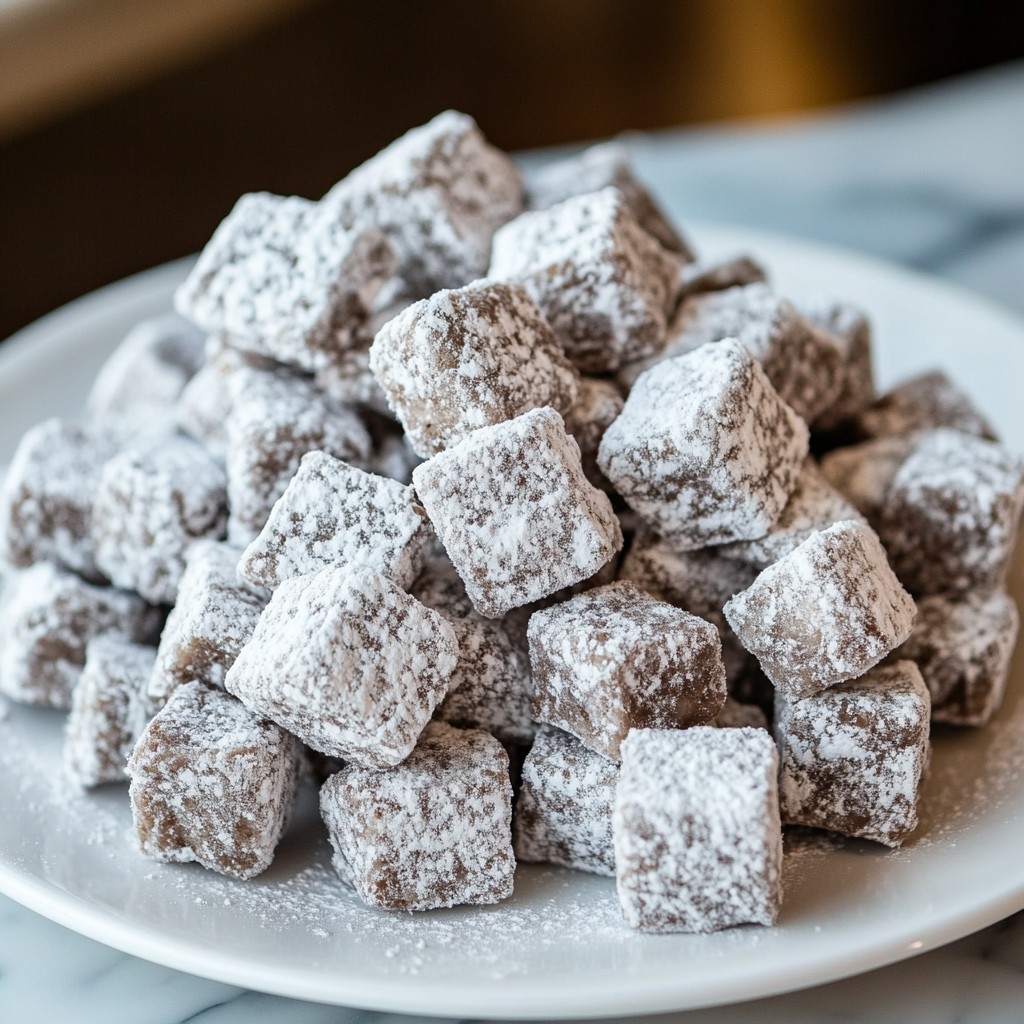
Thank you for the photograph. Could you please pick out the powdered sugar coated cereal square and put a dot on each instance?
(852, 757)
(598, 167)
(285, 278)
(349, 663)
(950, 518)
(705, 449)
(963, 645)
(48, 493)
(491, 687)
(213, 617)
(275, 419)
(433, 832)
(109, 709)
(212, 783)
(614, 659)
(332, 513)
(563, 813)
(466, 359)
(49, 617)
(604, 284)
(438, 193)
(153, 501)
(698, 842)
(826, 612)
(515, 512)
(813, 505)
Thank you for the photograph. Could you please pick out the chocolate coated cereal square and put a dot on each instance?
(615, 659)
(348, 662)
(563, 812)
(698, 843)
(466, 359)
(433, 832)
(705, 449)
(515, 513)
(852, 757)
(212, 783)
(826, 612)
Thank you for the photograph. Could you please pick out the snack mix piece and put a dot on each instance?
(515, 513)
(826, 612)
(963, 646)
(438, 193)
(813, 505)
(950, 518)
(433, 832)
(607, 163)
(335, 514)
(604, 284)
(863, 473)
(348, 662)
(615, 659)
(699, 582)
(154, 500)
(213, 618)
(804, 364)
(563, 812)
(705, 449)
(109, 710)
(700, 278)
(698, 843)
(148, 370)
(852, 757)
(491, 687)
(924, 403)
(850, 329)
(49, 617)
(212, 783)
(48, 494)
(285, 278)
(275, 419)
(598, 406)
(467, 359)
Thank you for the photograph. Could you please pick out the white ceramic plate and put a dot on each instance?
(558, 947)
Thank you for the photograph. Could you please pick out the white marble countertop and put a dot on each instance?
(933, 179)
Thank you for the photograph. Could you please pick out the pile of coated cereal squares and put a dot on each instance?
(455, 492)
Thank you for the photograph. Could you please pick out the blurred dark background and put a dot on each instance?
(137, 167)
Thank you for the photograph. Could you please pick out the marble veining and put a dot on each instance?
(931, 179)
